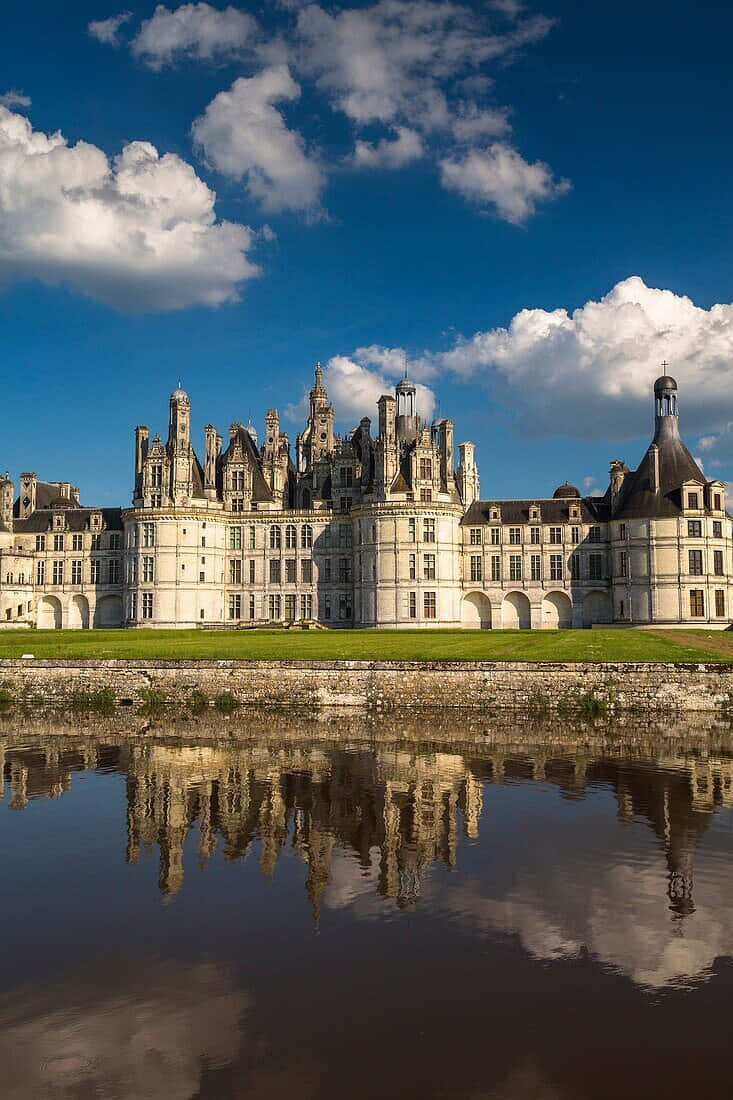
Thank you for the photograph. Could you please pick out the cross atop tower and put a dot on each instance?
(665, 364)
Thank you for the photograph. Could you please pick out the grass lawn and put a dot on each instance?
(369, 645)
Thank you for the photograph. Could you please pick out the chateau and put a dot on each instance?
(384, 530)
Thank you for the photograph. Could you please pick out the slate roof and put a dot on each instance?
(676, 465)
(260, 488)
(77, 519)
(592, 510)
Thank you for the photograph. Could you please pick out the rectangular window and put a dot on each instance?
(346, 477)
(475, 536)
(290, 571)
(77, 542)
(155, 500)
(693, 500)
(76, 572)
(40, 542)
(694, 528)
(252, 568)
(132, 571)
(515, 536)
(148, 534)
(344, 535)
(327, 605)
(595, 566)
(515, 567)
(413, 566)
(426, 469)
(412, 605)
(306, 536)
(535, 567)
(426, 496)
(495, 536)
(114, 541)
(97, 542)
(156, 476)
(719, 603)
(306, 606)
(290, 605)
(148, 570)
(147, 602)
(251, 606)
(495, 567)
(132, 606)
(238, 481)
(96, 570)
(238, 504)
(535, 535)
(718, 563)
(717, 501)
(40, 572)
(555, 567)
(695, 562)
(235, 606)
(252, 537)
(274, 568)
(58, 542)
(429, 605)
(717, 529)
(344, 606)
(113, 572)
(345, 570)
(594, 534)
(428, 570)
(275, 538)
(697, 603)
(575, 567)
(556, 535)
(327, 569)
(412, 529)
(58, 572)
(428, 529)
(575, 534)
(235, 538)
(274, 606)
(476, 572)
(623, 564)
(306, 571)
(622, 530)
(235, 571)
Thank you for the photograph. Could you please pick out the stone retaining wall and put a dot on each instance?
(371, 685)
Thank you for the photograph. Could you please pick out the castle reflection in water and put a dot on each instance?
(400, 807)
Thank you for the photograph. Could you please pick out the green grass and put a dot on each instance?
(367, 645)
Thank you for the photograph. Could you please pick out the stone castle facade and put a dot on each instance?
(385, 530)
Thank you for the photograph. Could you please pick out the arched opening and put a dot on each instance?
(49, 613)
(557, 611)
(476, 611)
(515, 613)
(78, 613)
(108, 611)
(596, 608)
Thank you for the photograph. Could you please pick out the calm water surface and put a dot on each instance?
(284, 917)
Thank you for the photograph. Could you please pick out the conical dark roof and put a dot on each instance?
(676, 465)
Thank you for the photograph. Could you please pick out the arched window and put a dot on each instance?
(291, 537)
(306, 536)
(275, 538)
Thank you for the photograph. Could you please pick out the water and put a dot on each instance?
(354, 910)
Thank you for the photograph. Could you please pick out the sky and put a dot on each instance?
(526, 205)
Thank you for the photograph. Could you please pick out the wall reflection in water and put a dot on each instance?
(584, 848)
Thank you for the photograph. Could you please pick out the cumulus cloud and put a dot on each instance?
(195, 31)
(395, 152)
(107, 31)
(500, 176)
(590, 372)
(355, 383)
(244, 136)
(13, 98)
(138, 232)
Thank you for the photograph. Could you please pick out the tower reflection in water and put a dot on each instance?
(396, 809)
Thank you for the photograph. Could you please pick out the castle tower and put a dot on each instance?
(468, 483)
(6, 501)
(212, 450)
(408, 422)
(179, 443)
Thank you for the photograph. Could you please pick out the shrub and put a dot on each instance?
(152, 700)
(101, 701)
(197, 702)
(226, 703)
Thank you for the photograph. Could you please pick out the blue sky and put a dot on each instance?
(370, 186)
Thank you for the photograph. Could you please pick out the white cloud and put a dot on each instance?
(13, 98)
(245, 137)
(195, 31)
(472, 123)
(107, 31)
(589, 373)
(390, 152)
(355, 384)
(500, 176)
(139, 232)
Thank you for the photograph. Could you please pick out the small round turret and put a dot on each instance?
(565, 491)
